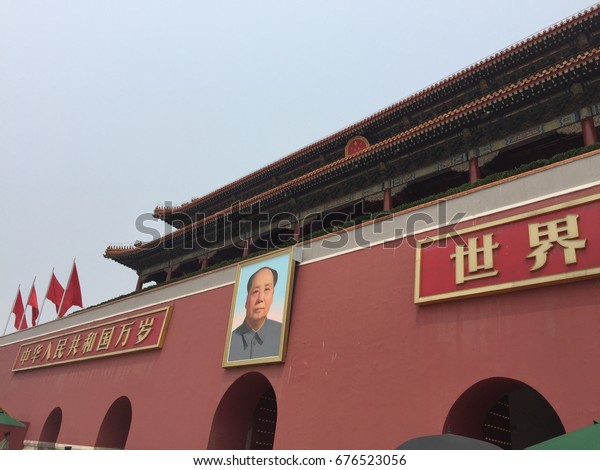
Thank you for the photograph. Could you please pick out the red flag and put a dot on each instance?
(19, 311)
(72, 293)
(35, 308)
(55, 292)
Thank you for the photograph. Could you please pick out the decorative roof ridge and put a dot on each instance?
(161, 211)
(437, 120)
(121, 250)
(542, 75)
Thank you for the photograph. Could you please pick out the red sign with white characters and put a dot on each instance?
(134, 333)
(555, 244)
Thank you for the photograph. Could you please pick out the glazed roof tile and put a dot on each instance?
(350, 131)
(540, 78)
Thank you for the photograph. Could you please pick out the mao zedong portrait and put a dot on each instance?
(258, 336)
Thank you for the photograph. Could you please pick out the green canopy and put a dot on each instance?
(446, 441)
(7, 419)
(587, 438)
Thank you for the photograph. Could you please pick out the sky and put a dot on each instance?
(111, 108)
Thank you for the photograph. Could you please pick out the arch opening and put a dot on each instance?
(505, 412)
(51, 426)
(246, 416)
(114, 429)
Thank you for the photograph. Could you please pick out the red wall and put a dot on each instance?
(366, 368)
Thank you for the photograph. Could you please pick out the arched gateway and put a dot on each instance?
(246, 416)
(505, 412)
(114, 429)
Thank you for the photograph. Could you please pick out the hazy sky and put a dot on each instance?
(110, 108)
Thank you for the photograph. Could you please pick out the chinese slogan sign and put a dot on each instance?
(135, 333)
(555, 244)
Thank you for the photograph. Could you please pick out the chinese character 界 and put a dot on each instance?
(479, 260)
(564, 231)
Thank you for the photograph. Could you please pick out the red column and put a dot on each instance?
(246, 248)
(297, 229)
(387, 199)
(140, 282)
(204, 262)
(474, 172)
(590, 135)
(169, 272)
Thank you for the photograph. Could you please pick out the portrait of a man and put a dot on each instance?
(257, 329)
(258, 336)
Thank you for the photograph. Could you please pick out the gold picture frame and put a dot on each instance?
(260, 310)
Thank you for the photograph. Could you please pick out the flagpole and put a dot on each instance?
(44, 301)
(65, 291)
(13, 307)
(23, 318)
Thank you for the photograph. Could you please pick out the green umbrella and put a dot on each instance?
(587, 438)
(447, 441)
(7, 419)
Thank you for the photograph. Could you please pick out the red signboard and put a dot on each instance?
(555, 244)
(134, 333)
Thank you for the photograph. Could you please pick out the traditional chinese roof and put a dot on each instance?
(536, 86)
(527, 85)
(522, 51)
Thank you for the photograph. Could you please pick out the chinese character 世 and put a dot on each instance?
(564, 231)
(479, 260)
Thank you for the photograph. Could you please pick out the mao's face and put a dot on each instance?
(260, 298)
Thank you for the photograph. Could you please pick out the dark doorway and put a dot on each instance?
(52, 426)
(246, 417)
(505, 412)
(264, 420)
(114, 429)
